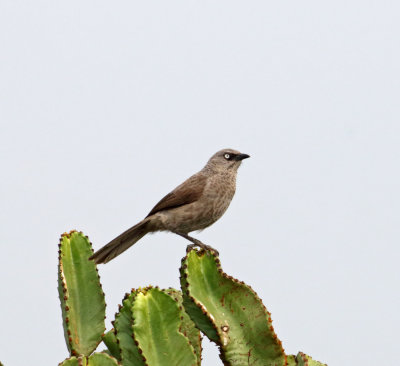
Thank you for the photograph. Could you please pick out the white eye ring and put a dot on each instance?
(227, 156)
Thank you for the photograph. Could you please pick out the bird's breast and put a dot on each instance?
(219, 193)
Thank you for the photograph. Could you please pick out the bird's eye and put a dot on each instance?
(227, 156)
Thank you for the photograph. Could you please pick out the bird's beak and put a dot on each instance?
(241, 157)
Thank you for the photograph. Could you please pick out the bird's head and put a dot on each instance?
(226, 159)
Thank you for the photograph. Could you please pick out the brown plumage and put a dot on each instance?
(194, 205)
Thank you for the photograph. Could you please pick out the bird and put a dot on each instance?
(192, 206)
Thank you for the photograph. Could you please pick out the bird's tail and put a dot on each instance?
(121, 243)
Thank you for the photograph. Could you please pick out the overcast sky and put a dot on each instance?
(107, 106)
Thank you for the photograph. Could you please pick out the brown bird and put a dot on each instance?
(194, 205)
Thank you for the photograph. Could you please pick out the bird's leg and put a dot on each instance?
(197, 243)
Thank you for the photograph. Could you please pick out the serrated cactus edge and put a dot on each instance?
(131, 354)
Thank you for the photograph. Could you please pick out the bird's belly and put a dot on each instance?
(195, 216)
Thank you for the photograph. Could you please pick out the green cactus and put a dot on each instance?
(156, 324)
(81, 295)
(150, 330)
(229, 313)
(152, 327)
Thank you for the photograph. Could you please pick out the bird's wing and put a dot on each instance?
(188, 192)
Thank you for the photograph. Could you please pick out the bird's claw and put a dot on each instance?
(198, 243)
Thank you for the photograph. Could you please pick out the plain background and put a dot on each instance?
(107, 106)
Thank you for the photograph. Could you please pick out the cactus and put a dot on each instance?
(81, 295)
(161, 327)
(229, 313)
(158, 331)
(148, 330)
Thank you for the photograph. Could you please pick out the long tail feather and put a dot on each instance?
(121, 243)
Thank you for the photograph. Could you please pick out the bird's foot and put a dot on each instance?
(198, 243)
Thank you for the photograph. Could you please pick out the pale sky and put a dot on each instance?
(106, 106)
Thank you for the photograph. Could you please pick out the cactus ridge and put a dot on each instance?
(131, 354)
(187, 327)
(81, 295)
(229, 312)
(110, 340)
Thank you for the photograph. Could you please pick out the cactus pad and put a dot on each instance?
(81, 295)
(156, 324)
(229, 312)
(152, 329)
